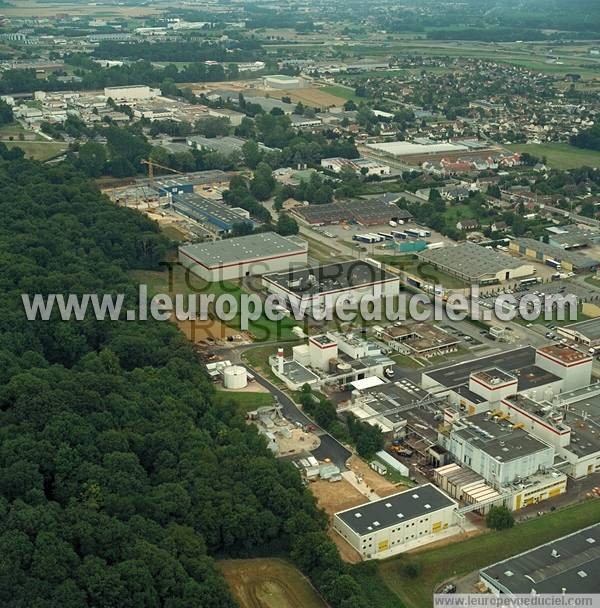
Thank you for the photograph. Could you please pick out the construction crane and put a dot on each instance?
(151, 164)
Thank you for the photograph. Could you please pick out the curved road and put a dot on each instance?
(329, 447)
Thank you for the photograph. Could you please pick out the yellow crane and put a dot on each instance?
(151, 164)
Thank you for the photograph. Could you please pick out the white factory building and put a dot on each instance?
(397, 523)
(330, 358)
(319, 289)
(130, 93)
(251, 255)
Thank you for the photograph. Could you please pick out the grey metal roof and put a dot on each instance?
(578, 260)
(457, 374)
(590, 328)
(241, 249)
(498, 438)
(396, 509)
(571, 563)
(471, 260)
(331, 277)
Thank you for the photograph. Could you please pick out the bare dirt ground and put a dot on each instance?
(199, 331)
(311, 96)
(269, 583)
(334, 497)
(374, 481)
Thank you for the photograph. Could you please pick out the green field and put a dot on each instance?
(340, 91)
(39, 150)
(560, 156)
(457, 559)
(245, 400)
(179, 281)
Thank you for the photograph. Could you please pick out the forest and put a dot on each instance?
(120, 479)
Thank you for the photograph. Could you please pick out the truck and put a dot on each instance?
(424, 233)
(393, 224)
(554, 264)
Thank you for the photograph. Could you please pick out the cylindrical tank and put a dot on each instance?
(344, 368)
(235, 377)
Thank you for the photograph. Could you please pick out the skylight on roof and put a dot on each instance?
(358, 515)
(509, 573)
(415, 496)
(400, 515)
(582, 573)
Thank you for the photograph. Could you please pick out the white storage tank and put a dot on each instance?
(235, 377)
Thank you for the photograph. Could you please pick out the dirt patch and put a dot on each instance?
(374, 481)
(269, 583)
(199, 331)
(336, 496)
(313, 97)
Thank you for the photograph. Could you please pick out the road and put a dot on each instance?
(329, 447)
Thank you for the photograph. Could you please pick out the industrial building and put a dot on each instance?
(419, 339)
(571, 261)
(566, 565)
(362, 166)
(394, 524)
(198, 181)
(476, 264)
(235, 258)
(216, 217)
(585, 332)
(223, 145)
(572, 236)
(130, 93)
(371, 212)
(492, 447)
(319, 289)
(330, 359)
(406, 148)
(279, 81)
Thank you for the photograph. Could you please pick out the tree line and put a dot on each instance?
(119, 476)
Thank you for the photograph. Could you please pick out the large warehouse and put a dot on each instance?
(571, 261)
(235, 258)
(566, 565)
(584, 332)
(321, 287)
(396, 523)
(476, 264)
(215, 216)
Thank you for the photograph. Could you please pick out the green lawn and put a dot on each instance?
(340, 91)
(458, 559)
(39, 150)
(561, 156)
(179, 281)
(246, 401)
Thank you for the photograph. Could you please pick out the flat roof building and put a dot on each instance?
(319, 288)
(235, 258)
(215, 216)
(567, 565)
(476, 264)
(403, 521)
(571, 261)
(585, 332)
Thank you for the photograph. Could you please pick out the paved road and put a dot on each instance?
(329, 447)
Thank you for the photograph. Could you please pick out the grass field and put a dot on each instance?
(179, 281)
(269, 583)
(561, 156)
(245, 400)
(38, 150)
(339, 91)
(458, 559)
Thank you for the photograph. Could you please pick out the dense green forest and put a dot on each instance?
(120, 478)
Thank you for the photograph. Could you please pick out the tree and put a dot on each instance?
(263, 183)
(212, 126)
(251, 154)
(92, 158)
(286, 225)
(499, 518)
(6, 113)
